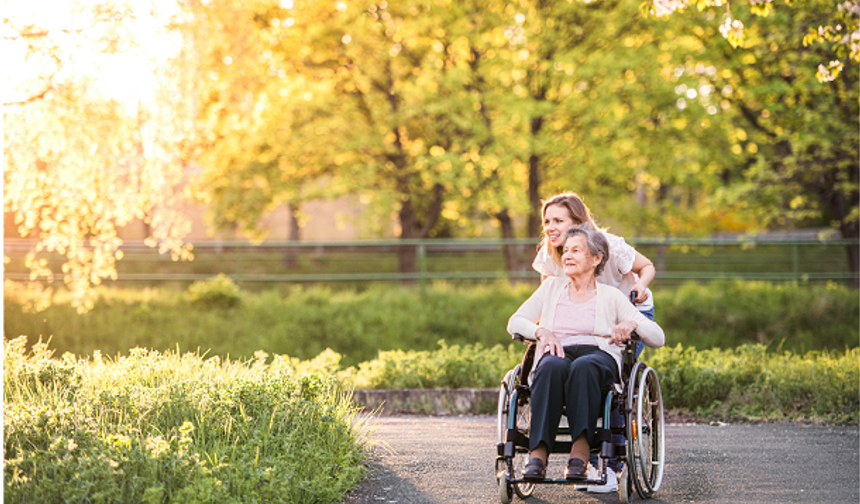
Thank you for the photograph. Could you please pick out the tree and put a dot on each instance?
(839, 29)
(376, 99)
(595, 111)
(793, 138)
(80, 159)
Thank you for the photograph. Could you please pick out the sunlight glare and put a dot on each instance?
(77, 40)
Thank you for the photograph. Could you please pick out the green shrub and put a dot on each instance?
(217, 292)
(725, 314)
(747, 382)
(154, 427)
(448, 367)
(751, 382)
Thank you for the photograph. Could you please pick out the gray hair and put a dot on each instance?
(594, 240)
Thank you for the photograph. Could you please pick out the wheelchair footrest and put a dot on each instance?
(559, 481)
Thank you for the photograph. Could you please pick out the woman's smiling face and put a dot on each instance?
(555, 220)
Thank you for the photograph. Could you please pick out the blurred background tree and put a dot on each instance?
(88, 146)
(793, 135)
(446, 119)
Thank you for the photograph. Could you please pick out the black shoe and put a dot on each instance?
(535, 469)
(575, 470)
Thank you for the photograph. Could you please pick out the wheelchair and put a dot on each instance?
(637, 397)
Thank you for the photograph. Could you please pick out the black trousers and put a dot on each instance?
(576, 382)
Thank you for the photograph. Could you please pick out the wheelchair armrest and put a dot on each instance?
(522, 339)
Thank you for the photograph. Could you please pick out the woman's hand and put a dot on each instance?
(548, 343)
(621, 332)
(641, 291)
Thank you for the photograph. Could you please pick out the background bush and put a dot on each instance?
(305, 321)
(218, 292)
(157, 428)
(747, 382)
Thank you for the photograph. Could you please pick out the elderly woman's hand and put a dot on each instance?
(621, 332)
(548, 343)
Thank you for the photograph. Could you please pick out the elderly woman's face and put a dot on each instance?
(576, 258)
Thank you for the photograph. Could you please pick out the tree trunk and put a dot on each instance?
(534, 183)
(841, 205)
(512, 263)
(409, 227)
(291, 255)
(850, 231)
(405, 253)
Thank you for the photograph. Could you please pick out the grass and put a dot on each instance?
(163, 427)
(221, 320)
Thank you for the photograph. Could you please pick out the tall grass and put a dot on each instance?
(220, 320)
(152, 427)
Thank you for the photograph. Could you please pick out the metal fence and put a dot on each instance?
(458, 260)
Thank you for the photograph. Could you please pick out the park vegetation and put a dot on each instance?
(443, 118)
(742, 349)
(217, 318)
(154, 427)
(220, 395)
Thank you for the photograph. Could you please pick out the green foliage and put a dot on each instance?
(799, 317)
(751, 382)
(448, 367)
(154, 427)
(218, 292)
(306, 321)
(745, 382)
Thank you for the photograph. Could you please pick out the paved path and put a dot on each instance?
(447, 460)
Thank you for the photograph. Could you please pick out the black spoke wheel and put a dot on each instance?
(645, 430)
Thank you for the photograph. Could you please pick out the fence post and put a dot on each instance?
(795, 261)
(238, 272)
(422, 264)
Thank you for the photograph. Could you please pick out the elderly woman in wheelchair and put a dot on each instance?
(581, 328)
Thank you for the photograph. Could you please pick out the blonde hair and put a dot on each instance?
(576, 209)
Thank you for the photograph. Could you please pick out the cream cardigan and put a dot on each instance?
(612, 308)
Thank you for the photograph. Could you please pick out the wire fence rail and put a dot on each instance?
(463, 260)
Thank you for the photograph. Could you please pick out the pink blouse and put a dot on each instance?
(574, 323)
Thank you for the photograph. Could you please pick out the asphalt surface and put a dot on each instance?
(436, 460)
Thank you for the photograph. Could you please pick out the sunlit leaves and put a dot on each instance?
(837, 28)
(86, 156)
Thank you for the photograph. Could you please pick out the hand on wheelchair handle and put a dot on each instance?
(623, 332)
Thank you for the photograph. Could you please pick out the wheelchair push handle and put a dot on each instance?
(633, 294)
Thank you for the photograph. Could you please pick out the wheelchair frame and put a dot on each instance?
(641, 403)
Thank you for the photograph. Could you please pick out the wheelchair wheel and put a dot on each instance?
(624, 486)
(521, 456)
(504, 398)
(516, 465)
(645, 430)
(506, 493)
